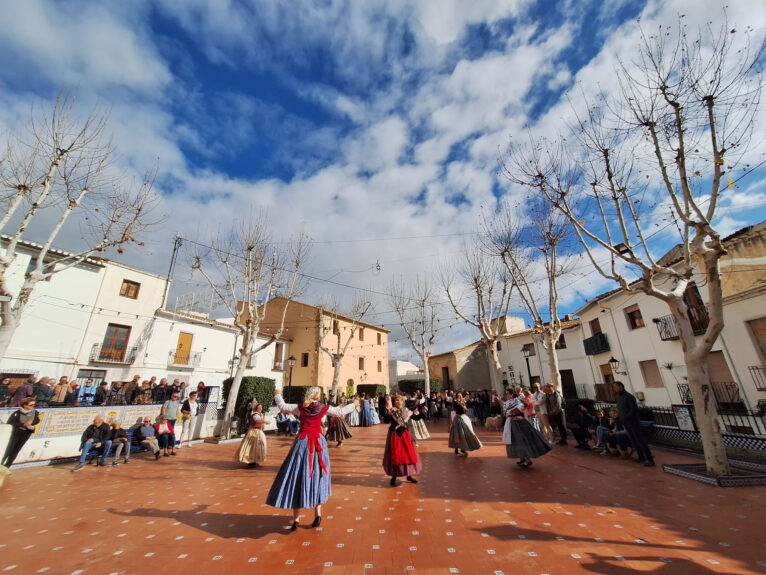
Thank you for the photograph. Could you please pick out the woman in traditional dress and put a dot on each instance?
(374, 410)
(366, 420)
(304, 481)
(416, 423)
(337, 430)
(462, 437)
(354, 416)
(400, 459)
(521, 439)
(252, 450)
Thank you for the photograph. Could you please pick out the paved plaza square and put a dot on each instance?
(200, 512)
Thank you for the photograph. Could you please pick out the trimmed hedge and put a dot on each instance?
(412, 385)
(370, 389)
(262, 388)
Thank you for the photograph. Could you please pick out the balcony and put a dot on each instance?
(182, 358)
(667, 327)
(596, 344)
(726, 393)
(100, 354)
(758, 373)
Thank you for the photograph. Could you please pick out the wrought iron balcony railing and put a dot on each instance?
(667, 327)
(596, 344)
(101, 354)
(726, 393)
(182, 358)
(758, 372)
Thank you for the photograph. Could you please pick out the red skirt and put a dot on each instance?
(400, 457)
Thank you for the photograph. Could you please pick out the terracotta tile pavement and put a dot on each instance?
(200, 512)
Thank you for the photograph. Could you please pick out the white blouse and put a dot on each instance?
(293, 407)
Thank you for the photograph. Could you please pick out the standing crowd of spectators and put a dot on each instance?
(48, 393)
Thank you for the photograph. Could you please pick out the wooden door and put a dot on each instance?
(183, 348)
(568, 387)
(115, 342)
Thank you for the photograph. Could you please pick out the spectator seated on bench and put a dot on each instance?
(95, 438)
(120, 443)
(146, 436)
(287, 423)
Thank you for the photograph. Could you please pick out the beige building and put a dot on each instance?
(365, 361)
(465, 368)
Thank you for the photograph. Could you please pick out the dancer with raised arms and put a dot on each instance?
(400, 459)
(303, 481)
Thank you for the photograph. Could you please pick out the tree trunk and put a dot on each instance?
(553, 359)
(705, 407)
(427, 374)
(494, 368)
(335, 379)
(7, 329)
(231, 400)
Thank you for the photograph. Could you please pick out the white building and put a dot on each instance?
(104, 320)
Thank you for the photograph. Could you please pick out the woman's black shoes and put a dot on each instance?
(411, 479)
(393, 482)
(317, 521)
(294, 526)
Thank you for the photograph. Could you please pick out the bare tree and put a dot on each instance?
(245, 270)
(684, 116)
(416, 305)
(490, 287)
(329, 323)
(524, 248)
(54, 173)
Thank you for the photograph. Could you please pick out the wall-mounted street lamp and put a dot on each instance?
(615, 365)
(525, 353)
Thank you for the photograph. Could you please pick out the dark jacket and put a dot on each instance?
(627, 408)
(5, 394)
(15, 421)
(100, 396)
(44, 394)
(160, 394)
(98, 433)
(118, 434)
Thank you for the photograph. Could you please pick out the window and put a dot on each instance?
(595, 326)
(651, 373)
(499, 347)
(380, 365)
(380, 339)
(633, 315)
(335, 328)
(530, 348)
(562, 342)
(279, 351)
(115, 342)
(305, 360)
(361, 334)
(361, 363)
(129, 289)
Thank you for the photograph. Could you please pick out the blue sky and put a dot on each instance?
(351, 120)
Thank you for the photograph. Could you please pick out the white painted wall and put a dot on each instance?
(54, 323)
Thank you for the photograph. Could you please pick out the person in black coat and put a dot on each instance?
(23, 421)
(97, 435)
(581, 427)
(627, 408)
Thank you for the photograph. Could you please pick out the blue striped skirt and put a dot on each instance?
(302, 483)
